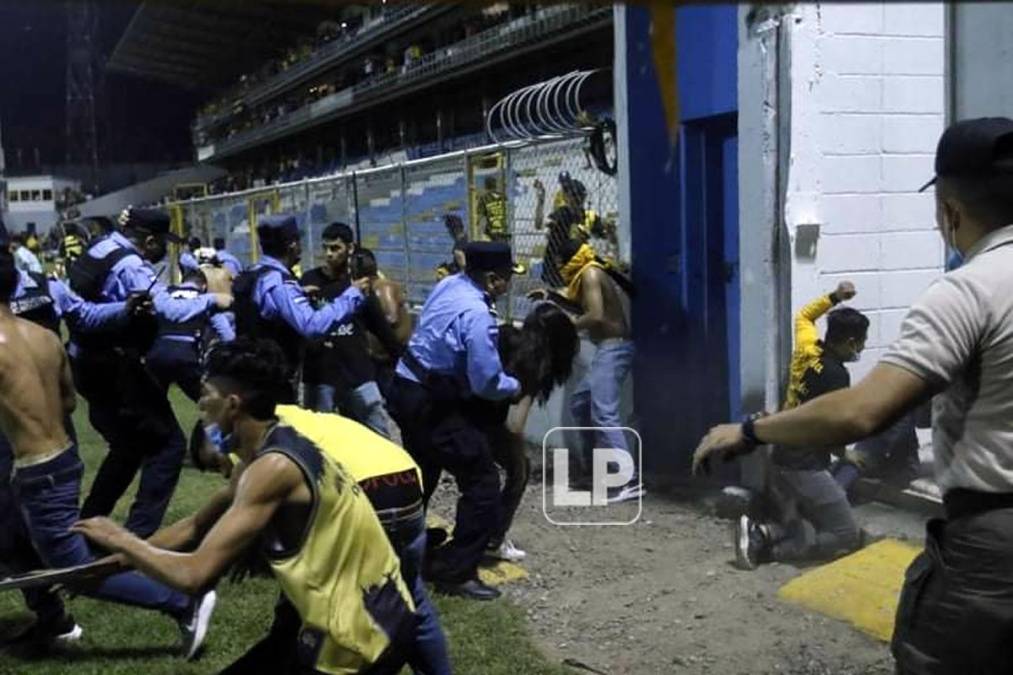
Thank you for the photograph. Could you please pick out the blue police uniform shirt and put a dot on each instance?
(83, 315)
(457, 335)
(219, 322)
(229, 262)
(132, 274)
(188, 262)
(283, 299)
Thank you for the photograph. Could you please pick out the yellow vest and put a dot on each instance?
(361, 451)
(343, 577)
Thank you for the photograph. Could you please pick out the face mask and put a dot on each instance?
(222, 442)
(954, 259)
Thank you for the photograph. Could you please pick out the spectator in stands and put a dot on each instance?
(491, 210)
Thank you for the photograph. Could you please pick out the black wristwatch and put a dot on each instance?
(749, 430)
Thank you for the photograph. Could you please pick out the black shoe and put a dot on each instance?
(473, 589)
(63, 629)
(436, 537)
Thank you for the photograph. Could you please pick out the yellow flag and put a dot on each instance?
(665, 69)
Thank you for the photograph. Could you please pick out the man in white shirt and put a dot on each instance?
(24, 259)
(956, 609)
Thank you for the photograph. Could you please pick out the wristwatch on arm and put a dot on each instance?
(749, 431)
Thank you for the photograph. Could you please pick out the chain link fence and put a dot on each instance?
(401, 211)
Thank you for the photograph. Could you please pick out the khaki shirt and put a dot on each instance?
(959, 337)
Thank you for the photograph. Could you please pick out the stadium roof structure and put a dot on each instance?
(206, 44)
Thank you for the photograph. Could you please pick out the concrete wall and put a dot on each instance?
(866, 111)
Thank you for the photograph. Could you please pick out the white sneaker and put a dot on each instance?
(507, 551)
(194, 627)
(627, 493)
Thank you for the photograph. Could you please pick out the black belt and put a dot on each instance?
(441, 387)
(961, 502)
(415, 367)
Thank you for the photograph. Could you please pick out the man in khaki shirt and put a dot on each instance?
(956, 609)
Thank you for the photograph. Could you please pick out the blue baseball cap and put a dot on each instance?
(152, 221)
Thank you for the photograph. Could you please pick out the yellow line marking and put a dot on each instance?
(862, 588)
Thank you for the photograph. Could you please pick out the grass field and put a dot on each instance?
(485, 638)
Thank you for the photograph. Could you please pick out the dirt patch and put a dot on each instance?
(661, 597)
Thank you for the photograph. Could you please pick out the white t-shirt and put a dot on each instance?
(958, 337)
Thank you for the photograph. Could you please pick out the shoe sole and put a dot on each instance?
(207, 607)
(740, 539)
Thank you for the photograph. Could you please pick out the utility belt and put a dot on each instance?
(442, 388)
(961, 502)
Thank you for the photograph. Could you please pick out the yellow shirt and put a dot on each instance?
(808, 351)
(343, 577)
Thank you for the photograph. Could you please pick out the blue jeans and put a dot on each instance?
(364, 404)
(429, 655)
(16, 551)
(48, 495)
(596, 400)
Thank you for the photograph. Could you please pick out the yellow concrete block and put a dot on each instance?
(862, 588)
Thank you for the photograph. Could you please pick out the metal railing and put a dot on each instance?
(320, 60)
(478, 48)
(399, 211)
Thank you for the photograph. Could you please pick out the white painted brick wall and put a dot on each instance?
(867, 111)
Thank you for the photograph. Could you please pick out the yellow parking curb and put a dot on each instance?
(862, 588)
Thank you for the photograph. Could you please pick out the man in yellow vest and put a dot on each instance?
(392, 481)
(315, 526)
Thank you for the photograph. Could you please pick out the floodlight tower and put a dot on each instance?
(82, 67)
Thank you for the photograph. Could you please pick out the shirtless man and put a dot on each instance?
(36, 392)
(599, 300)
(395, 309)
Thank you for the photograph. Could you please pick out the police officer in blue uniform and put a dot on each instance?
(177, 353)
(270, 303)
(126, 405)
(452, 358)
(228, 261)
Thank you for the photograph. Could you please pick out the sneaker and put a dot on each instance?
(193, 627)
(64, 629)
(750, 541)
(506, 551)
(626, 493)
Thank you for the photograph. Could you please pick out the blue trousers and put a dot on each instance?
(364, 404)
(596, 400)
(132, 413)
(48, 495)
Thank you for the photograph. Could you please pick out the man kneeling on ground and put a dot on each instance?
(314, 526)
(818, 522)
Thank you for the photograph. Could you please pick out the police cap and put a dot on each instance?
(490, 256)
(279, 227)
(978, 148)
(152, 221)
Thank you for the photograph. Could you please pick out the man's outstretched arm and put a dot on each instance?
(262, 488)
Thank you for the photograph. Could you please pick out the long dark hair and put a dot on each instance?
(540, 354)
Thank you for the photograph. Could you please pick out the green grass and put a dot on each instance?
(485, 638)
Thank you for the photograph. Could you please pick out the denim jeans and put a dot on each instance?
(595, 402)
(17, 555)
(48, 496)
(364, 404)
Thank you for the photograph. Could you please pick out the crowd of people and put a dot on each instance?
(305, 381)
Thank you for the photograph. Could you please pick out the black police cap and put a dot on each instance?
(978, 148)
(490, 256)
(152, 221)
(278, 227)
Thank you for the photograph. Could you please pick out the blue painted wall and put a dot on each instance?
(684, 232)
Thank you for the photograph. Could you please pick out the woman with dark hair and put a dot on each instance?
(540, 355)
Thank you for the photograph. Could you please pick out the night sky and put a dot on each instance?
(138, 120)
